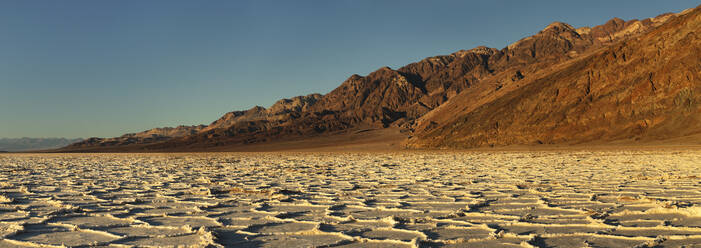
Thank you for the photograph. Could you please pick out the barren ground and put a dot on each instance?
(453, 199)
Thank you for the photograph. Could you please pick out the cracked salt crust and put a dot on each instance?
(409, 199)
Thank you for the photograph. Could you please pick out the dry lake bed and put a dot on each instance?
(405, 199)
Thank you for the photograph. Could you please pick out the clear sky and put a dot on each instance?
(104, 68)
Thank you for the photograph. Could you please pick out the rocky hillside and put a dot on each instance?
(528, 92)
(642, 88)
(282, 110)
(146, 137)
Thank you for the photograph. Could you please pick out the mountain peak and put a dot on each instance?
(483, 50)
(558, 27)
(385, 68)
(615, 21)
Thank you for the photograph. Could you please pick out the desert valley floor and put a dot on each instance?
(630, 198)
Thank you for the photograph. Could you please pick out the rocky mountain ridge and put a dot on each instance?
(426, 97)
(637, 89)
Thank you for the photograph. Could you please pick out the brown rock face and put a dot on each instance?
(624, 79)
(282, 110)
(642, 88)
(520, 62)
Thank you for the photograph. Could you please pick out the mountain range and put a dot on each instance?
(26, 144)
(632, 81)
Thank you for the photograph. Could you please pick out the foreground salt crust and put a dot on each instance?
(451, 199)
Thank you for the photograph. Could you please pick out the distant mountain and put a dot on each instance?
(26, 144)
(623, 80)
(146, 137)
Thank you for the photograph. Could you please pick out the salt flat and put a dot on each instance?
(433, 199)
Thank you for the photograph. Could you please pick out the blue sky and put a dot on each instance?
(104, 68)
